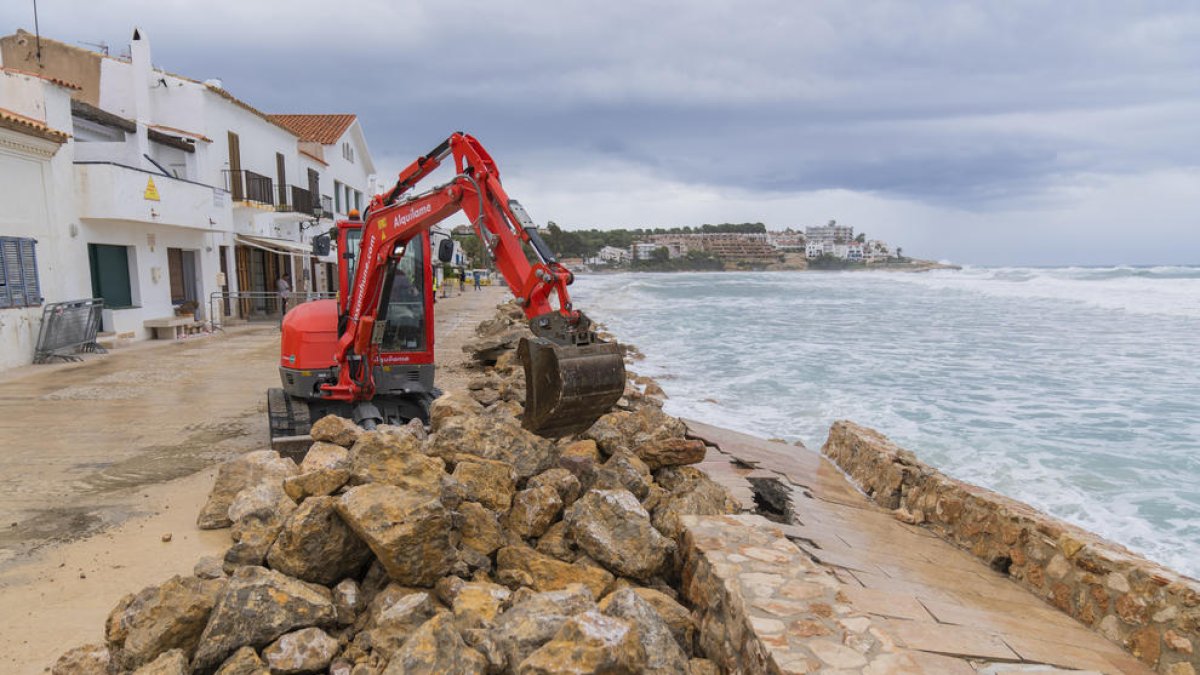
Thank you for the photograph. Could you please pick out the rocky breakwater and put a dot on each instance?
(470, 546)
(1150, 610)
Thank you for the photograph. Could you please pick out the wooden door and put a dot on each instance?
(235, 168)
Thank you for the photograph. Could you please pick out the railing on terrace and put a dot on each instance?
(249, 186)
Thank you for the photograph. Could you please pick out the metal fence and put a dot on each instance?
(255, 305)
(69, 328)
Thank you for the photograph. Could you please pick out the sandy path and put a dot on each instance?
(94, 471)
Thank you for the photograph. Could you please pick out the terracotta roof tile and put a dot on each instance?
(17, 122)
(53, 80)
(172, 130)
(323, 129)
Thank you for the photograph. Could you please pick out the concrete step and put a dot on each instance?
(113, 340)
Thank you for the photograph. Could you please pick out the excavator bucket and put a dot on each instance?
(567, 388)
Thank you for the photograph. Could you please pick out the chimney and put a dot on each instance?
(143, 75)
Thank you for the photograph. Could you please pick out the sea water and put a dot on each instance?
(1076, 390)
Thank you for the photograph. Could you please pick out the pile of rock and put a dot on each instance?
(472, 546)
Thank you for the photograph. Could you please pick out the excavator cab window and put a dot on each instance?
(405, 311)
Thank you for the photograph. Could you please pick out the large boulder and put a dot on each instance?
(543, 573)
(629, 430)
(316, 545)
(479, 529)
(393, 616)
(84, 660)
(613, 528)
(557, 543)
(624, 470)
(336, 430)
(245, 661)
(563, 481)
(663, 653)
(487, 481)
(408, 531)
(531, 623)
(494, 437)
(395, 458)
(477, 604)
(677, 617)
(257, 606)
(325, 468)
(301, 652)
(589, 642)
(662, 452)
(533, 510)
(236, 475)
(692, 493)
(437, 648)
(454, 404)
(160, 618)
(168, 663)
(258, 514)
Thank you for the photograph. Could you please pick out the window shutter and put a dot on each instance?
(18, 269)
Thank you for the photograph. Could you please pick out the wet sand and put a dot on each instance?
(103, 458)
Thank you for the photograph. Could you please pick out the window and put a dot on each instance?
(358, 200)
(19, 286)
(347, 152)
(337, 197)
(110, 275)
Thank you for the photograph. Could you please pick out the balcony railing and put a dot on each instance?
(298, 200)
(249, 186)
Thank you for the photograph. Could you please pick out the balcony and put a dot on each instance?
(247, 186)
(115, 192)
(295, 199)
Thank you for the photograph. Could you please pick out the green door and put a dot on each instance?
(110, 275)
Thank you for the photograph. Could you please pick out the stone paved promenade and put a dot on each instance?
(838, 583)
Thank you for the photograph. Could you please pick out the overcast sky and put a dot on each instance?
(1005, 132)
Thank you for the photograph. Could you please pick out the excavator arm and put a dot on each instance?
(572, 377)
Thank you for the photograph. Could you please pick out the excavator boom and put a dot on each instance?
(572, 377)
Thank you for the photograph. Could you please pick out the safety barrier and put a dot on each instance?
(67, 329)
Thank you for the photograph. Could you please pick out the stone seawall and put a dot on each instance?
(1150, 610)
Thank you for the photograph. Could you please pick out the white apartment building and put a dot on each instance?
(152, 190)
(612, 255)
(831, 233)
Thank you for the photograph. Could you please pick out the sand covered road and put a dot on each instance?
(101, 459)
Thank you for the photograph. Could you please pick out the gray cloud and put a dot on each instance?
(967, 112)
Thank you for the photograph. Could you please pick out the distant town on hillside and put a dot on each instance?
(724, 246)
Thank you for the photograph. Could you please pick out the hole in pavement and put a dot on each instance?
(772, 499)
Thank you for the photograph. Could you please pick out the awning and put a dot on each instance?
(274, 245)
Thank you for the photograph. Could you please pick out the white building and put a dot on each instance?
(644, 250)
(35, 167)
(854, 251)
(831, 233)
(165, 190)
(612, 255)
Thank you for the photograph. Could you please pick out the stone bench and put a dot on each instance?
(174, 327)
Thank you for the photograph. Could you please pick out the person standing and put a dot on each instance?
(283, 286)
(462, 279)
(476, 275)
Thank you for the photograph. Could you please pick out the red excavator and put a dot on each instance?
(368, 355)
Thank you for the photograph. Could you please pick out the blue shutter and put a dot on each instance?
(18, 269)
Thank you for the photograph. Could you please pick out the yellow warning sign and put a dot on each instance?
(151, 191)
